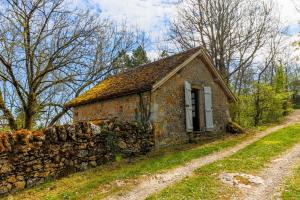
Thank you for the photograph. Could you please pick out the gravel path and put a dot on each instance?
(158, 182)
(274, 175)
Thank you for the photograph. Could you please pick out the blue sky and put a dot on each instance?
(293, 29)
(152, 16)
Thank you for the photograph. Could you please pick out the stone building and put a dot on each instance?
(180, 95)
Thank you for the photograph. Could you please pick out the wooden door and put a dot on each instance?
(208, 108)
(188, 106)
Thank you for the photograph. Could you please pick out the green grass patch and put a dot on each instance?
(99, 182)
(205, 183)
(291, 190)
(297, 106)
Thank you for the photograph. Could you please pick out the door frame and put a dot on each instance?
(196, 109)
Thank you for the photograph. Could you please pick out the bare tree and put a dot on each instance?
(47, 52)
(297, 5)
(232, 31)
(109, 42)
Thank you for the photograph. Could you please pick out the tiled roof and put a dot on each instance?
(137, 80)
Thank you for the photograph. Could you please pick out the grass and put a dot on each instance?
(99, 182)
(297, 106)
(291, 190)
(205, 184)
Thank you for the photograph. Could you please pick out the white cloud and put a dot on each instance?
(151, 15)
(289, 14)
(295, 51)
(148, 15)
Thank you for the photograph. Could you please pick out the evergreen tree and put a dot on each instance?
(139, 57)
(122, 62)
(164, 54)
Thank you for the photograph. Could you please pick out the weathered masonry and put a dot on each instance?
(179, 94)
(30, 158)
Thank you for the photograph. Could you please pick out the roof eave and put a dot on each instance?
(95, 100)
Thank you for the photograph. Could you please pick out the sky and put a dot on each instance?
(152, 16)
(288, 12)
(149, 15)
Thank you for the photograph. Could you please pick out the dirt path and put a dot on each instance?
(274, 175)
(156, 183)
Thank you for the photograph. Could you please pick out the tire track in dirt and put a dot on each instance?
(274, 176)
(155, 183)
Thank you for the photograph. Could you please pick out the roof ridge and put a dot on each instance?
(168, 57)
(153, 62)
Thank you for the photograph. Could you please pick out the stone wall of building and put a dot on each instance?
(123, 108)
(165, 107)
(29, 158)
(168, 104)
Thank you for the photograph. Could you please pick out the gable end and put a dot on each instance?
(204, 57)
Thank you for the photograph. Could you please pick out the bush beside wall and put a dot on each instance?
(29, 158)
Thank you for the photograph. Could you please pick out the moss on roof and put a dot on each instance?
(137, 80)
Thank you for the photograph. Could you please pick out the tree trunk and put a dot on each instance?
(257, 110)
(7, 114)
(29, 111)
(28, 120)
(222, 67)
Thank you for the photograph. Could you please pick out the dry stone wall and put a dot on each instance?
(29, 158)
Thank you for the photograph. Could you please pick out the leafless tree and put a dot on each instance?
(108, 43)
(48, 52)
(233, 31)
(297, 5)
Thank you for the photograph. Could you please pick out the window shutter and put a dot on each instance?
(188, 107)
(208, 108)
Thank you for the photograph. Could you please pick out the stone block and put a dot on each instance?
(50, 135)
(82, 153)
(71, 132)
(5, 168)
(20, 185)
(61, 133)
(4, 190)
(93, 163)
(12, 179)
